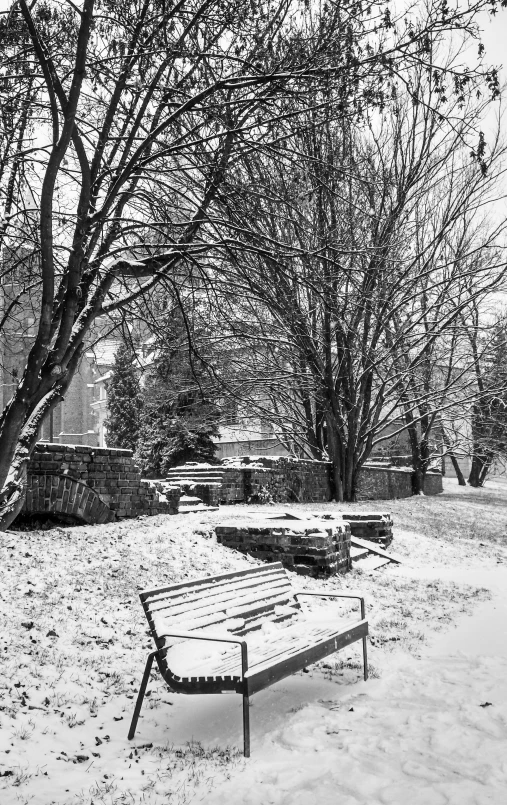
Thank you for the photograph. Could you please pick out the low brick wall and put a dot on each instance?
(233, 485)
(311, 547)
(79, 481)
(433, 483)
(384, 483)
(283, 479)
(387, 483)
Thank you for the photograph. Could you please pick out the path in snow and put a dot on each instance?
(432, 731)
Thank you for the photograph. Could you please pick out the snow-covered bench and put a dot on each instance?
(240, 632)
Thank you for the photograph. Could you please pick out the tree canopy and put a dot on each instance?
(121, 121)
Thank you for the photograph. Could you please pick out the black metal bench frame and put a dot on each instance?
(245, 685)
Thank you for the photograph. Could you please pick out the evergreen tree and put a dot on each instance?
(180, 418)
(124, 401)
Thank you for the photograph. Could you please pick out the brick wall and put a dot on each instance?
(433, 483)
(110, 473)
(382, 483)
(385, 483)
(285, 479)
(314, 548)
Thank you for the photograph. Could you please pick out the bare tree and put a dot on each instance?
(140, 108)
(353, 260)
(487, 435)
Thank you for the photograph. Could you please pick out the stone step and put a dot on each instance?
(189, 500)
(195, 479)
(201, 481)
(179, 471)
(198, 508)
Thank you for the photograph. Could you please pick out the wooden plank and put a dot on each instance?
(310, 642)
(205, 594)
(219, 596)
(231, 603)
(263, 676)
(364, 543)
(285, 646)
(275, 566)
(215, 618)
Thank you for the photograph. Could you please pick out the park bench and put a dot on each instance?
(238, 632)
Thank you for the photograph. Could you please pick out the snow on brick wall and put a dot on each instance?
(285, 479)
(288, 479)
(110, 473)
(312, 548)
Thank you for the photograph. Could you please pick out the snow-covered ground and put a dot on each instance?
(430, 726)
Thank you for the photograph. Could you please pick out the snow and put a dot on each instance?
(429, 727)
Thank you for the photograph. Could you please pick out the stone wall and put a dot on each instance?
(309, 547)
(78, 481)
(255, 479)
(383, 483)
(433, 483)
(387, 483)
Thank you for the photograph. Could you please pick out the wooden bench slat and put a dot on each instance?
(217, 618)
(285, 647)
(256, 618)
(275, 568)
(203, 593)
(304, 646)
(262, 676)
(224, 592)
(243, 594)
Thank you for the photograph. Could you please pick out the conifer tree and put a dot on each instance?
(180, 416)
(124, 401)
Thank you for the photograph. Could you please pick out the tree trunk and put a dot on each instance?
(457, 468)
(454, 460)
(27, 426)
(418, 468)
(481, 465)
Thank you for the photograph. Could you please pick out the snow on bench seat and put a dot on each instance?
(241, 631)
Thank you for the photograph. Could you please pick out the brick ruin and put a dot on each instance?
(312, 545)
(78, 483)
(309, 547)
(92, 485)
(282, 479)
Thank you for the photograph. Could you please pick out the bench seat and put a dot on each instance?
(289, 650)
(240, 632)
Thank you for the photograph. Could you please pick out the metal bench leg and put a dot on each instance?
(246, 725)
(140, 695)
(365, 659)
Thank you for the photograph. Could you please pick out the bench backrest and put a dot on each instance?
(237, 602)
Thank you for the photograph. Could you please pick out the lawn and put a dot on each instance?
(432, 718)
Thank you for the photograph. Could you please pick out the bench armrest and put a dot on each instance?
(325, 594)
(213, 638)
